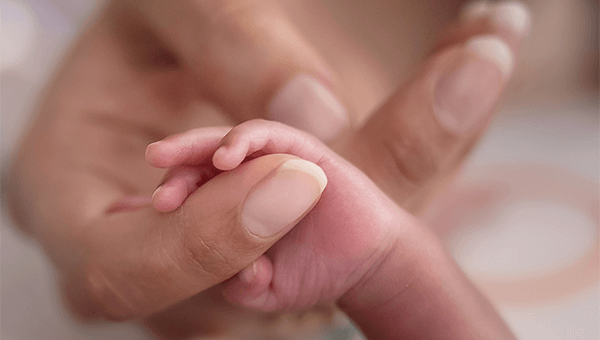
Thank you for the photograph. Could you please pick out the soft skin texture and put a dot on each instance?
(355, 246)
(141, 72)
(327, 252)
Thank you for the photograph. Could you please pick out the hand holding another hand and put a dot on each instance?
(142, 72)
(355, 247)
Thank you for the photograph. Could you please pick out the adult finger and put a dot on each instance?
(249, 60)
(419, 137)
(508, 19)
(144, 261)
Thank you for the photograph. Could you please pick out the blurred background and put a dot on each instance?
(521, 218)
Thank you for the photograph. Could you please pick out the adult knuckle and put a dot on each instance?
(414, 158)
(210, 256)
(211, 244)
(232, 15)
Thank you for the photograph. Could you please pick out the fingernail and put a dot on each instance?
(285, 196)
(306, 104)
(159, 189)
(494, 50)
(513, 15)
(474, 10)
(148, 153)
(465, 95)
(247, 274)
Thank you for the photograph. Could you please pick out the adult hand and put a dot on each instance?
(141, 72)
(410, 146)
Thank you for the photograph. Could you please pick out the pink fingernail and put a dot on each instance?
(219, 160)
(274, 204)
(467, 92)
(306, 104)
(170, 198)
(156, 192)
(247, 274)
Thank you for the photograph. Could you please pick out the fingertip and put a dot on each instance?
(160, 154)
(474, 10)
(167, 199)
(494, 50)
(221, 159)
(510, 15)
(515, 16)
(248, 274)
(250, 287)
(233, 150)
(150, 154)
(258, 274)
(510, 20)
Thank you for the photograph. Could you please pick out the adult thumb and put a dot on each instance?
(159, 259)
(243, 212)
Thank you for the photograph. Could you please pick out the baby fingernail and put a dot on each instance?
(156, 192)
(247, 274)
(467, 92)
(512, 15)
(154, 143)
(306, 104)
(282, 198)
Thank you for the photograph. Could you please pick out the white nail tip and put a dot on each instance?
(513, 15)
(494, 50)
(307, 167)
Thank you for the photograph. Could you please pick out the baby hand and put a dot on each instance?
(329, 251)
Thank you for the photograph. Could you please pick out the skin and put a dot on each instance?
(135, 76)
(354, 225)
(343, 250)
